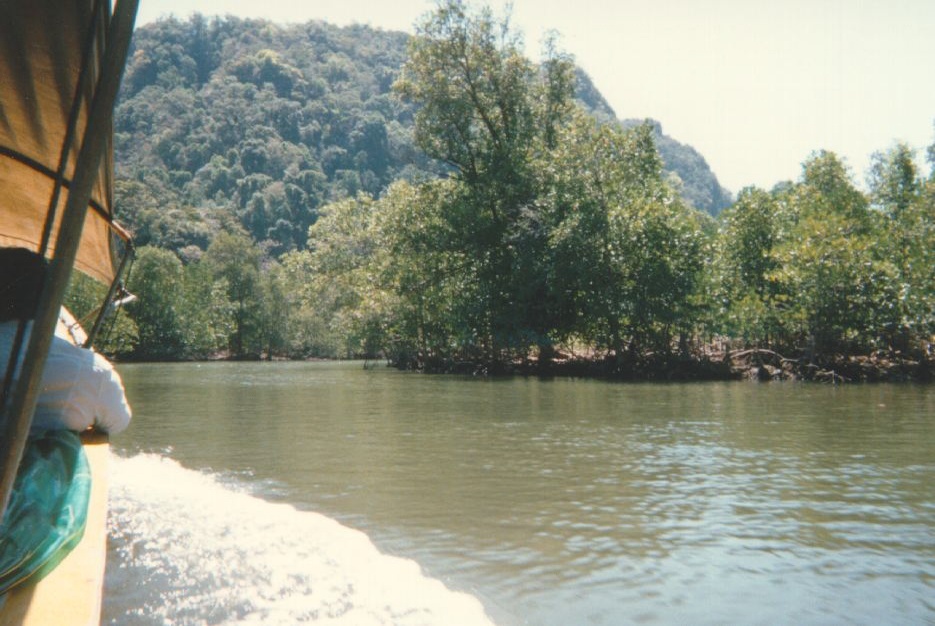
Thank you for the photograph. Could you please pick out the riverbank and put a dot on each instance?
(767, 365)
(748, 364)
(754, 364)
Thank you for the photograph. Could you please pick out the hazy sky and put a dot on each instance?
(754, 85)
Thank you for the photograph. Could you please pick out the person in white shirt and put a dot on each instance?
(79, 388)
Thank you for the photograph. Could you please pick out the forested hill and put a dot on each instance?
(223, 119)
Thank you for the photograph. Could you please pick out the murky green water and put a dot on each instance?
(562, 502)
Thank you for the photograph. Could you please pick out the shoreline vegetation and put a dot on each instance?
(716, 364)
(526, 223)
(759, 365)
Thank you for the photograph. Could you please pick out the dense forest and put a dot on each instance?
(229, 121)
(448, 204)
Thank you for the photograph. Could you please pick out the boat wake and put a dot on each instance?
(186, 549)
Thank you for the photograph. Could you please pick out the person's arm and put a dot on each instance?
(112, 413)
(80, 390)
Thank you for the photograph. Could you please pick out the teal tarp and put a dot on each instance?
(48, 509)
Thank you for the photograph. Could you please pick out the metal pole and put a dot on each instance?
(99, 320)
(99, 127)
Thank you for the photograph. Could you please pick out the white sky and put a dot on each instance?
(754, 85)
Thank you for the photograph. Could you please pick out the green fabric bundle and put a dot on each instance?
(48, 510)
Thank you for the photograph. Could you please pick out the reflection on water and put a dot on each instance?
(580, 502)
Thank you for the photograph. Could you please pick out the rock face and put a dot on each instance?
(700, 186)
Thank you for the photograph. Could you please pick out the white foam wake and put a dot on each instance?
(188, 550)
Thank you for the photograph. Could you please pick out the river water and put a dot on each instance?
(286, 493)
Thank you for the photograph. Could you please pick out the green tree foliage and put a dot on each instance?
(549, 221)
(907, 203)
(841, 296)
(157, 220)
(804, 269)
(234, 262)
(223, 121)
(818, 268)
(472, 83)
(835, 290)
(207, 312)
(894, 181)
(475, 92)
(291, 204)
(339, 281)
(227, 302)
(229, 118)
(427, 286)
(624, 254)
(157, 282)
(745, 263)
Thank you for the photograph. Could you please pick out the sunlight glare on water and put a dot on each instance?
(197, 552)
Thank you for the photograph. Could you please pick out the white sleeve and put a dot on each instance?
(112, 413)
(80, 389)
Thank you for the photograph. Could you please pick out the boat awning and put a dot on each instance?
(49, 64)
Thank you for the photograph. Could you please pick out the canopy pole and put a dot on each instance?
(99, 128)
